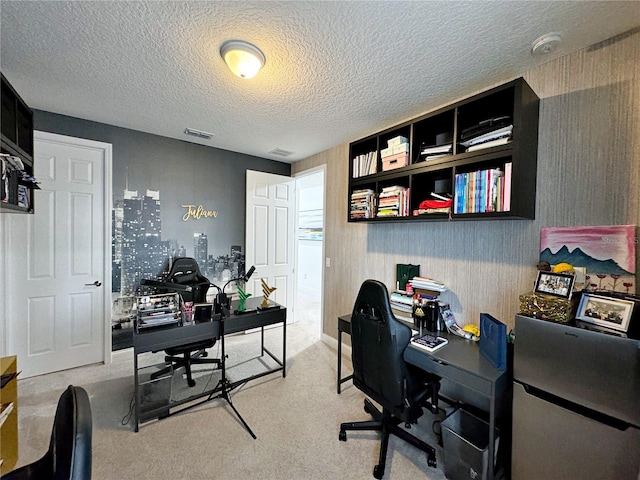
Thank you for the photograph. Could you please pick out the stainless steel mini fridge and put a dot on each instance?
(576, 403)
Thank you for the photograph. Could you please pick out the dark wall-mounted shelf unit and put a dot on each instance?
(16, 136)
(480, 152)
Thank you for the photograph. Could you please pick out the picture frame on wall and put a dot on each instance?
(556, 284)
(608, 312)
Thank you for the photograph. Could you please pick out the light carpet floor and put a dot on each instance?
(296, 420)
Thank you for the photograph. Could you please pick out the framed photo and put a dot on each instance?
(607, 312)
(556, 284)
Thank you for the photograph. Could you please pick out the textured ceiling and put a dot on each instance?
(335, 71)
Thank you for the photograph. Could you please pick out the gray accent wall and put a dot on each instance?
(183, 172)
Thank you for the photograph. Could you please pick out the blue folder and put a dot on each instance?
(493, 341)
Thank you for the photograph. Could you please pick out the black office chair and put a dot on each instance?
(185, 278)
(378, 341)
(69, 453)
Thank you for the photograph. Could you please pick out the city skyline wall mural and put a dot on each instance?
(170, 198)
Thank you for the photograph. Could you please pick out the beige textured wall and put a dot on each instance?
(588, 174)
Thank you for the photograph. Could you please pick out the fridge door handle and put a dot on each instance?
(577, 408)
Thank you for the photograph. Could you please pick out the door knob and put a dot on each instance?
(94, 284)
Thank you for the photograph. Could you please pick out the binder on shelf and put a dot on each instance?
(488, 144)
(7, 377)
(493, 341)
(5, 410)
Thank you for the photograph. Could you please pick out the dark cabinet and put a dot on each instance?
(16, 135)
(475, 159)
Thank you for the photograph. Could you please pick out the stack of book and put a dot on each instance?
(393, 202)
(488, 133)
(365, 164)
(363, 203)
(436, 151)
(427, 285)
(483, 191)
(402, 305)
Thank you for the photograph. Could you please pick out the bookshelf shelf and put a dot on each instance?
(481, 152)
(16, 140)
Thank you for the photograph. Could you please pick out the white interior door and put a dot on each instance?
(269, 242)
(60, 260)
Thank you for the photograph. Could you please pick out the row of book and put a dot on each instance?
(485, 137)
(483, 191)
(393, 201)
(363, 204)
(365, 164)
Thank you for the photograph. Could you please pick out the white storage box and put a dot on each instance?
(397, 141)
(400, 148)
(395, 161)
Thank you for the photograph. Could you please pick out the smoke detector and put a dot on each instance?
(546, 44)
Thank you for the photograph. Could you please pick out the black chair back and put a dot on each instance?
(71, 436)
(378, 341)
(69, 453)
(185, 271)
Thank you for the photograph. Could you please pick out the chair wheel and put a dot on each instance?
(191, 383)
(366, 408)
(378, 471)
(431, 460)
(205, 354)
(343, 436)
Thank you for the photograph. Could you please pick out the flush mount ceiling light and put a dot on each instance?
(546, 44)
(242, 58)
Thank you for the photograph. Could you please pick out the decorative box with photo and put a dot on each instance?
(547, 307)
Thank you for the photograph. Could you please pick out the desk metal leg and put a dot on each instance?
(136, 407)
(492, 427)
(340, 379)
(284, 348)
(339, 358)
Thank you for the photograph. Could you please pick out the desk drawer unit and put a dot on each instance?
(441, 368)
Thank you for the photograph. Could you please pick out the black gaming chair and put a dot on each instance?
(378, 341)
(185, 278)
(69, 453)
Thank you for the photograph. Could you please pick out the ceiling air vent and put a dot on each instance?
(280, 152)
(198, 133)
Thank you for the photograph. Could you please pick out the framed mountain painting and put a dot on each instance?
(607, 253)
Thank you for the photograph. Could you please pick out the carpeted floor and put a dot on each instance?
(296, 420)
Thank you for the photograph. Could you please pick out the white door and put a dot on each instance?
(269, 242)
(58, 297)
